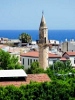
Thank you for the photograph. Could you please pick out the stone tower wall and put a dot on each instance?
(43, 57)
(43, 44)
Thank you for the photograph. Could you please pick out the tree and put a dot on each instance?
(61, 70)
(35, 68)
(60, 66)
(8, 62)
(25, 38)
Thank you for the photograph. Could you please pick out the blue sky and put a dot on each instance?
(26, 14)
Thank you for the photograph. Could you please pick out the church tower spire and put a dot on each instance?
(43, 43)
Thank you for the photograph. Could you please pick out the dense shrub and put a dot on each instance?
(39, 91)
(35, 68)
(8, 62)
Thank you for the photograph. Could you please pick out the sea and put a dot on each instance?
(60, 35)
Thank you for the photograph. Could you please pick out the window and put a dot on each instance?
(54, 61)
(23, 61)
(74, 60)
(28, 61)
(45, 39)
(34, 60)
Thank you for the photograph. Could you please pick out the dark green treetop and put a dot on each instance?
(25, 38)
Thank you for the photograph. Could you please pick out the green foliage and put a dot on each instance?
(35, 68)
(61, 67)
(60, 88)
(61, 71)
(8, 62)
(25, 38)
(39, 91)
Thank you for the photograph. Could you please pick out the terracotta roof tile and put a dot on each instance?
(71, 53)
(30, 77)
(38, 77)
(36, 54)
(53, 55)
(31, 54)
(63, 59)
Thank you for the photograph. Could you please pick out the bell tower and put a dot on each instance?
(43, 43)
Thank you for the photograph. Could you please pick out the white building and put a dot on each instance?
(71, 56)
(54, 42)
(32, 56)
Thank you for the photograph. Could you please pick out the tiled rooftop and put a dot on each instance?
(53, 55)
(71, 53)
(31, 54)
(36, 54)
(30, 77)
(63, 59)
